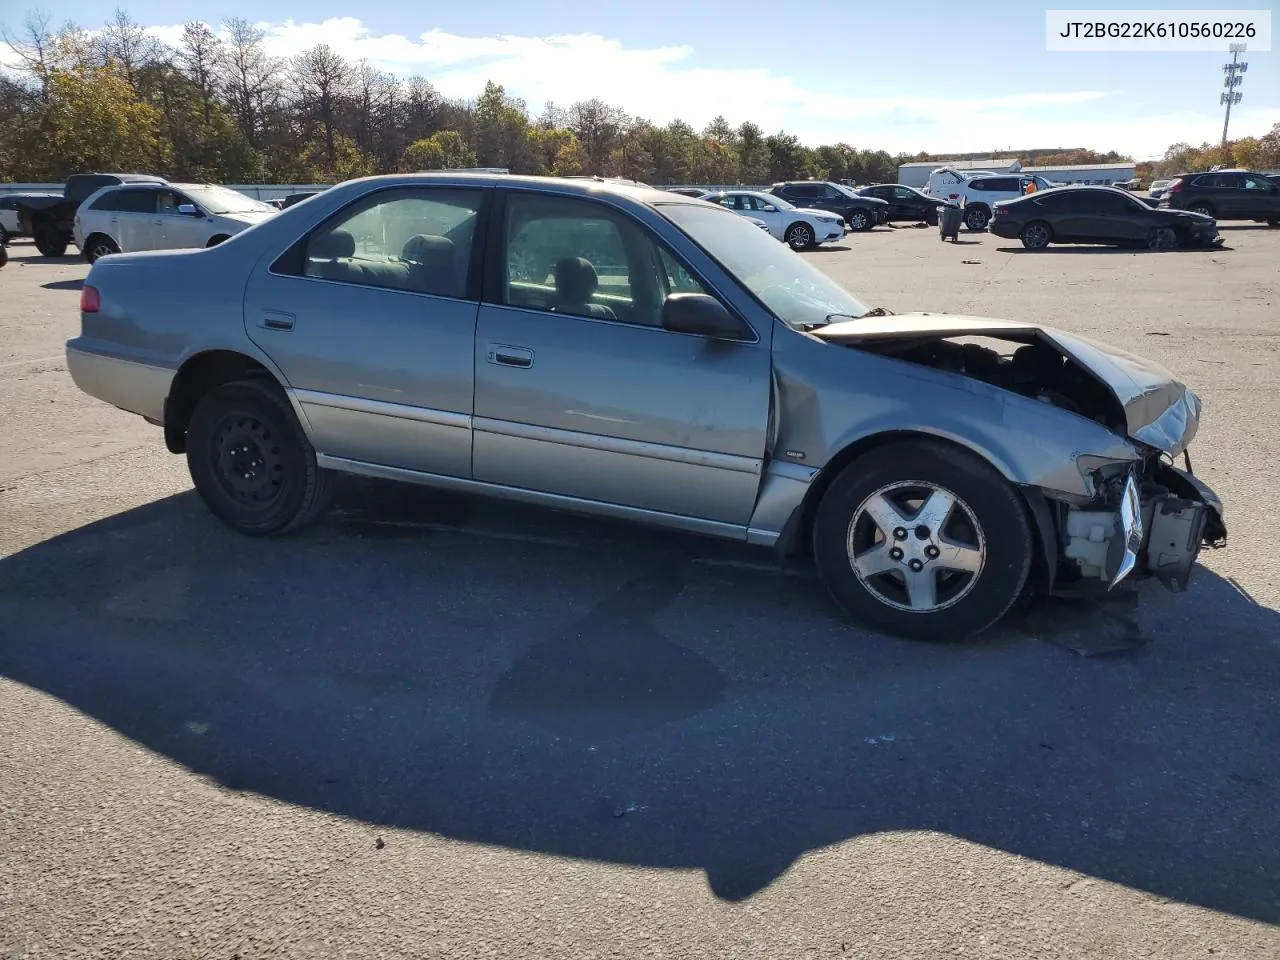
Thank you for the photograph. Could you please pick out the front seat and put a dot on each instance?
(576, 283)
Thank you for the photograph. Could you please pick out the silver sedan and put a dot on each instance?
(629, 352)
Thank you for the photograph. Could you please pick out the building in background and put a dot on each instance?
(917, 174)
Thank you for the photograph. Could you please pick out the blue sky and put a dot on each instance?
(938, 76)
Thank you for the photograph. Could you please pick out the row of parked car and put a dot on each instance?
(104, 213)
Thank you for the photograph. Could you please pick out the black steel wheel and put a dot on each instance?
(251, 462)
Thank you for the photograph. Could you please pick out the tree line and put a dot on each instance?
(218, 107)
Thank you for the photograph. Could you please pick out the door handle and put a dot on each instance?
(158, 223)
(508, 356)
(277, 320)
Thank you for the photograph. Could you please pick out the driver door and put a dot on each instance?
(579, 392)
(179, 230)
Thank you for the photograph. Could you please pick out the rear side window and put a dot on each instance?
(127, 200)
(416, 240)
(805, 190)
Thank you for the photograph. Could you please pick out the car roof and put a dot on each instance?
(586, 187)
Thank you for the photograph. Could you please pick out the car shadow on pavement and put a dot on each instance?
(504, 676)
(63, 284)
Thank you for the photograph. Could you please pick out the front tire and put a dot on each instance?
(251, 462)
(861, 220)
(800, 236)
(50, 241)
(923, 540)
(1036, 235)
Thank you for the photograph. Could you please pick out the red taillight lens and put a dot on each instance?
(89, 300)
(1175, 187)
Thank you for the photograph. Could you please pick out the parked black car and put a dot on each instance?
(907, 203)
(1226, 195)
(861, 213)
(1103, 215)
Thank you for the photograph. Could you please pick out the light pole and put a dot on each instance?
(1231, 81)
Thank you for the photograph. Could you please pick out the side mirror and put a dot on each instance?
(769, 208)
(702, 315)
(188, 210)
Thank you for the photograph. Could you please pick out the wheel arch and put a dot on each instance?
(796, 538)
(217, 238)
(201, 373)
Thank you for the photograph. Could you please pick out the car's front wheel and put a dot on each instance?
(923, 540)
(250, 461)
(860, 220)
(800, 236)
(1203, 208)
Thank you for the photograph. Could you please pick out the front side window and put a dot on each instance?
(1256, 183)
(168, 202)
(581, 258)
(416, 240)
(785, 282)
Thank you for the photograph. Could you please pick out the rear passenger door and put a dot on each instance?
(371, 317)
(132, 219)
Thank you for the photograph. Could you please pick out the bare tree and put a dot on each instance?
(248, 76)
(35, 47)
(200, 55)
(129, 46)
(322, 81)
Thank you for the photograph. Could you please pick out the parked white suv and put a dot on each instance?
(978, 194)
(126, 217)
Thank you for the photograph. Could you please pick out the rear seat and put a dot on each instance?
(429, 264)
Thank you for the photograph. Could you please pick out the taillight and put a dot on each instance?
(89, 299)
(1175, 187)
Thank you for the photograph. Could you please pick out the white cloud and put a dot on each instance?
(666, 83)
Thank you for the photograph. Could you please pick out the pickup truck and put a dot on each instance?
(51, 222)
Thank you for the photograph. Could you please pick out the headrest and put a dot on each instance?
(332, 245)
(424, 248)
(576, 279)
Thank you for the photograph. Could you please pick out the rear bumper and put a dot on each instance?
(132, 386)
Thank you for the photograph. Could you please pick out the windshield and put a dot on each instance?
(224, 200)
(845, 190)
(795, 292)
(777, 202)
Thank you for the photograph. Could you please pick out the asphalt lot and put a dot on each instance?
(437, 726)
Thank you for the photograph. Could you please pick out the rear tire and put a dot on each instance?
(1036, 235)
(973, 556)
(976, 218)
(98, 246)
(251, 462)
(50, 241)
(1204, 208)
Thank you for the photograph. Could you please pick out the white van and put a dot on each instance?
(942, 180)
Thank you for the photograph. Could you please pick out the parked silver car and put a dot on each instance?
(633, 353)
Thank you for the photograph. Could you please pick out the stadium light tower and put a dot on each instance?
(1231, 81)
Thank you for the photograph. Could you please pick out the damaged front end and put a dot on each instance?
(1134, 518)
(1149, 519)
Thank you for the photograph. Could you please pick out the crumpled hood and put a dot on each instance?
(1160, 411)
